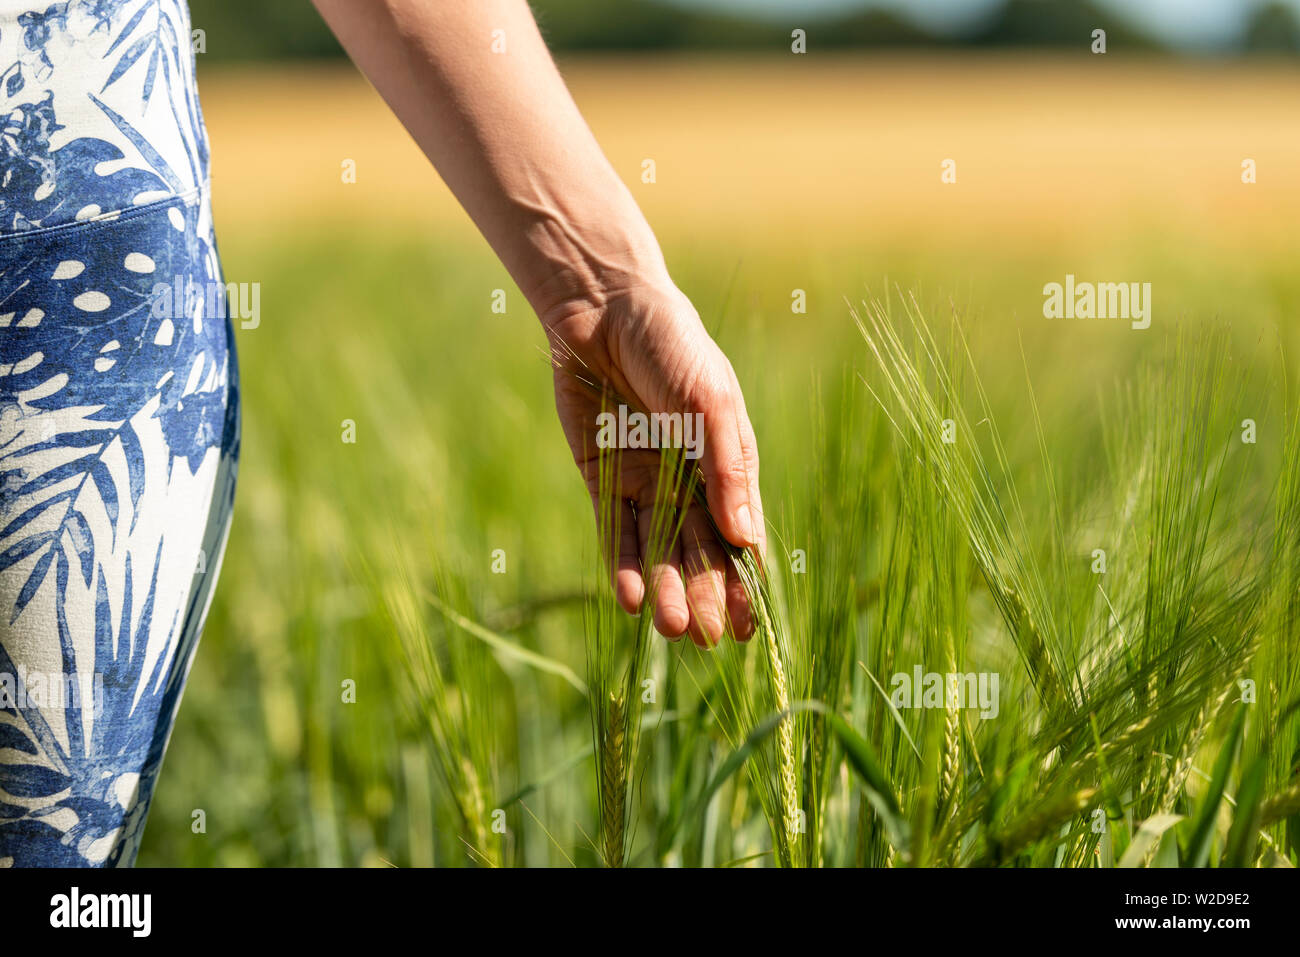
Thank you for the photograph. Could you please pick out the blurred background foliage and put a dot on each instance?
(258, 30)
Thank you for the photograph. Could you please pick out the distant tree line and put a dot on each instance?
(265, 29)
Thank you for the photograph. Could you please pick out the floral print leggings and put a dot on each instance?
(119, 416)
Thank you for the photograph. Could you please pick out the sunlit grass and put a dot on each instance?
(370, 566)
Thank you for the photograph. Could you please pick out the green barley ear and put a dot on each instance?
(613, 782)
(784, 734)
(951, 751)
(774, 767)
(473, 807)
(1281, 806)
(1041, 822)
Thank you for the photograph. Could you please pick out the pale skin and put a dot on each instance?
(507, 138)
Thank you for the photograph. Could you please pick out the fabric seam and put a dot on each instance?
(108, 219)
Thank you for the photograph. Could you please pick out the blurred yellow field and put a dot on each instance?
(827, 148)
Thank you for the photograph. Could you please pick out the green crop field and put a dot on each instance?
(411, 661)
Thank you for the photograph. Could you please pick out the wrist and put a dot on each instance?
(577, 267)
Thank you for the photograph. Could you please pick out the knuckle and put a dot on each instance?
(702, 391)
(736, 472)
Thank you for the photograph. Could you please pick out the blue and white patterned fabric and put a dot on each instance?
(119, 416)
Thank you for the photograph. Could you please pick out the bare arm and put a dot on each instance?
(506, 137)
(476, 87)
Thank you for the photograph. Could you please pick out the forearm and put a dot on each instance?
(507, 138)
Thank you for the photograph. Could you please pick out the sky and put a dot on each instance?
(1194, 23)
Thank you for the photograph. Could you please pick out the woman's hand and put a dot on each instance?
(646, 344)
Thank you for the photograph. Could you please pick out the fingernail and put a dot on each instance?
(745, 524)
